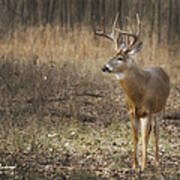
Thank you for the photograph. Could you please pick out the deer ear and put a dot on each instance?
(136, 49)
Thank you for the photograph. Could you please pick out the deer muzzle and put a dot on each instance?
(106, 68)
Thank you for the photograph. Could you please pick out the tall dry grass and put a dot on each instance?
(53, 44)
(45, 68)
(39, 65)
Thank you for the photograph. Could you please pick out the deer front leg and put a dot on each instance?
(135, 125)
(145, 133)
(156, 135)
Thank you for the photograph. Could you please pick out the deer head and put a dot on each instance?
(125, 52)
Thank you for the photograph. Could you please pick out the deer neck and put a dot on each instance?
(133, 82)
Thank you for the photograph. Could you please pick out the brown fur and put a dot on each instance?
(146, 89)
(146, 93)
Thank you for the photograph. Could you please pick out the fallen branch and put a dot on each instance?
(7, 168)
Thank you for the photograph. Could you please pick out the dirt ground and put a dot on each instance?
(58, 122)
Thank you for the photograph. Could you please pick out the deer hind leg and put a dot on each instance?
(156, 135)
(145, 133)
(135, 126)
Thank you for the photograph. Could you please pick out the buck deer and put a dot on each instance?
(146, 89)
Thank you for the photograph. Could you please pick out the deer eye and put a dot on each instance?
(120, 59)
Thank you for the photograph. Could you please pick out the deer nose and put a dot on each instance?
(106, 69)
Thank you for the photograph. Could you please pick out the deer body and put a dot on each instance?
(146, 89)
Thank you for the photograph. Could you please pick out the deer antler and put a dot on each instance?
(135, 36)
(112, 36)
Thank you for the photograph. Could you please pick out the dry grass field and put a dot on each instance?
(62, 118)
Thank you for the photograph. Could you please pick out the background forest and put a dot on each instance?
(161, 16)
(60, 116)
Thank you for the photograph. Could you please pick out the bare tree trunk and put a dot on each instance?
(61, 15)
(169, 21)
(52, 7)
(103, 19)
(176, 19)
(159, 21)
(152, 21)
(120, 13)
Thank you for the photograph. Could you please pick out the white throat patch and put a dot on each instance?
(119, 76)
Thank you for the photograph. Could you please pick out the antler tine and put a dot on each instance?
(110, 36)
(114, 37)
(123, 32)
(139, 24)
(115, 22)
(103, 34)
(135, 36)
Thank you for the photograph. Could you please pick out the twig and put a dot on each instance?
(90, 94)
